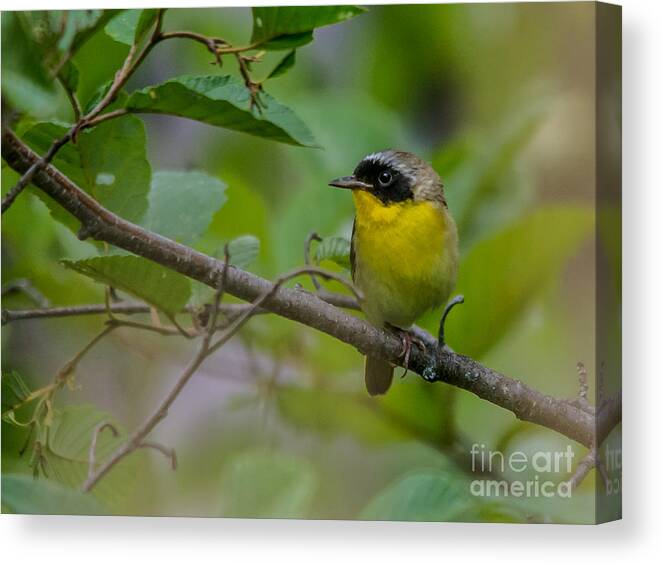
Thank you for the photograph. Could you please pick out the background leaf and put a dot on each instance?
(271, 23)
(24, 494)
(60, 33)
(334, 249)
(287, 62)
(423, 496)
(182, 204)
(131, 26)
(291, 41)
(165, 289)
(262, 483)
(223, 101)
(67, 453)
(14, 391)
(25, 81)
(109, 162)
(243, 250)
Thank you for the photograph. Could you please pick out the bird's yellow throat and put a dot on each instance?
(422, 220)
(406, 257)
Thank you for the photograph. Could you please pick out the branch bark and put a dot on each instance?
(309, 309)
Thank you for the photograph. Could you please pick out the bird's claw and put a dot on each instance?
(407, 340)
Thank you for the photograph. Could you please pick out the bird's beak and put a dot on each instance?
(350, 182)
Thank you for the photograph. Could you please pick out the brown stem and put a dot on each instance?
(9, 315)
(24, 286)
(306, 256)
(168, 452)
(91, 457)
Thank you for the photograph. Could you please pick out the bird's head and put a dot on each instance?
(394, 177)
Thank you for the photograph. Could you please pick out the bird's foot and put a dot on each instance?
(459, 299)
(408, 340)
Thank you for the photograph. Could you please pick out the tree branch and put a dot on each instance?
(307, 308)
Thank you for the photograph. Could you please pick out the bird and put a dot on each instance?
(404, 248)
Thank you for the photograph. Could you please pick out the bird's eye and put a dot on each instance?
(385, 178)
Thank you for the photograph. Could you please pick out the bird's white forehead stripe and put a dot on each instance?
(387, 158)
(383, 157)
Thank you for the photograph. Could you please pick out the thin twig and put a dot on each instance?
(327, 275)
(137, 438)
(91, 462)
(240, 320)
(306, 256)
(70, 366)
(213, 44)
(24, 180)
(179, 328)
(26, 287)
(165, 331)
(583, 389)
(71, 95)
(253, 86)
(590, 460)
(129, 308)
(168, 452)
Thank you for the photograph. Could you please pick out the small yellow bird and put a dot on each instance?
(403, 247)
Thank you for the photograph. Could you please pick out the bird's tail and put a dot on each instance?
(378, 375)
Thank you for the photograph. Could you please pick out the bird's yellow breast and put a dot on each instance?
(405, 257)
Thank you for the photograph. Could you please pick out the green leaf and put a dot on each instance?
(67, 453)
(284, 65)
(223, 101)
(69, 75)
(285, 42)
(262, 483)
(109, 162)
(131, 26)
(26, 84)
(97, 96)
(335, 249)
(182, 204)
(243, 250)
(271, 23)
(34, 45)
(24, 494)
(163, 288)
(14, 391)
(501, 275)
(423, 496)
(62, 32)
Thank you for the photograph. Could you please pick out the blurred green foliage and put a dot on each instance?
(277, 424)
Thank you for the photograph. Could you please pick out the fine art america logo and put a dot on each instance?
(542, 463)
